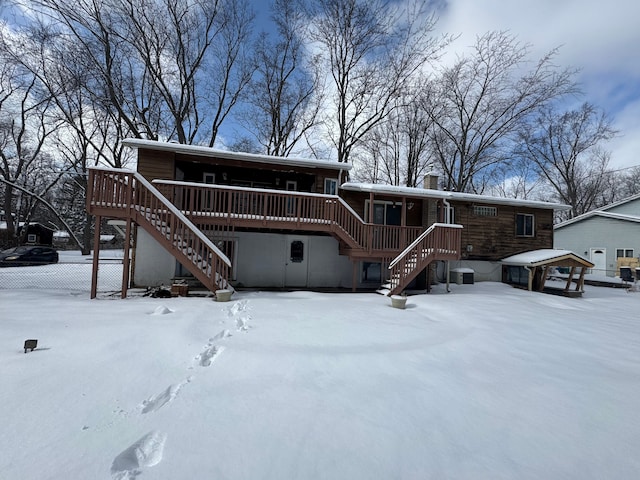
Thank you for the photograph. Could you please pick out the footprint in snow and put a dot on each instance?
(161, 399)
(208, 355)
(237, 307)
(242, 323)
(146, 452)
(220, 335)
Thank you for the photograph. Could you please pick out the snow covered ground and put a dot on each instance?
(485, 382)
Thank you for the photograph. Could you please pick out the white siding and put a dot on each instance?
(262, 258)
(629, 208)
(598, 232)
(154, 266)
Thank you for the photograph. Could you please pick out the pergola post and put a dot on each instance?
(570, 279)
(580, 285)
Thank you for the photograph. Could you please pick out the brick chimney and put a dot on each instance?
(431, 181)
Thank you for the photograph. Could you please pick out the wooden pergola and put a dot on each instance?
(539, 264)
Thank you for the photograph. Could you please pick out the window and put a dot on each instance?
(384, 212)
(209, 178)
(31, 238)
(297, 251)
(484, 211)
(624, 253)
(524, 225)
(330, 186)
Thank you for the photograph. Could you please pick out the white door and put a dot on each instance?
(296, 261)
(599, 259)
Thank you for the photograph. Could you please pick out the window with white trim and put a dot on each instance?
(330, 186)
(624, 252)
(485, 211)
(525, 225)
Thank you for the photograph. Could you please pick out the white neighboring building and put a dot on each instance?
(604, 235)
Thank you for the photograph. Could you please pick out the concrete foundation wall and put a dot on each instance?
(262, 260)
(154, 266)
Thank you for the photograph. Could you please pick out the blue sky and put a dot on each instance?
(601, 39)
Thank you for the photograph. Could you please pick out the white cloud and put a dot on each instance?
(599, 38)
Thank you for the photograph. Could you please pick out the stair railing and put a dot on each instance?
(440, 241)
(129, 195)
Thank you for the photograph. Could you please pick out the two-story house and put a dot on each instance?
(245, 220)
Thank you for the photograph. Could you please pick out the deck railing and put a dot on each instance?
(128, 195)
(277, 208)
(163, 211)
(440, 241)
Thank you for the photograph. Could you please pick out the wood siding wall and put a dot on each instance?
(191, 168)
(154, 164)
(494, 238)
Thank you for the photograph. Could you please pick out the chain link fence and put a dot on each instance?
(72, 273)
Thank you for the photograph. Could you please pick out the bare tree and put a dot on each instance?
(397, 150)
(286, 92)
(371, 50)
(477, 104)
(567, 150)
(229, 66)
(156, 66)
(627, 182)
(24, 130)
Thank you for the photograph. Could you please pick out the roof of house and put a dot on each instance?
(447, 195)
(602, 212)
(238, 156)
(545, 256)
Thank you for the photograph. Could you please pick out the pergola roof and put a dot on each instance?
(536, 262)
(548, 256)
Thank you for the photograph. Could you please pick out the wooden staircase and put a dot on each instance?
(439, 242)
(127, 195)
(167, 213)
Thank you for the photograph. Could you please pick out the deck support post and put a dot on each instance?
(354, 278)
(125, 261)
(96, 254)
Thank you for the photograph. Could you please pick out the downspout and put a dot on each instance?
(447, 220)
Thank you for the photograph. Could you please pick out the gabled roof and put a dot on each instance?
(620, 202)
(469, 197)
(601, 213)
(238, 156)
(546, 256)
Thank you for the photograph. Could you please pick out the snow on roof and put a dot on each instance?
(542, 256)
(239, 156)
(599, 213)
(429, 193)
(621, 202)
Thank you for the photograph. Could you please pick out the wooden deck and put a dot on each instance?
(170, 210)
